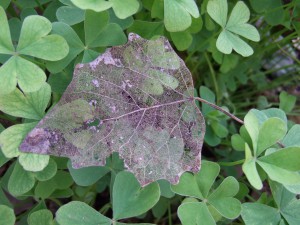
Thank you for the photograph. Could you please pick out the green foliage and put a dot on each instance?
(216, 125)
(34, 41)
(234, 26)
(286, 204)
(177, 14)
(250, 172)
(7, 216)
(80, 213)
(266, 128)
(94, 174)
(215, 204)
(287, 101)
(85, 47)
(129, 199)
(122, 8)
(11, 138)
(31, 105)
(43, 216)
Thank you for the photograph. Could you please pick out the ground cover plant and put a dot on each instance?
(149, 112)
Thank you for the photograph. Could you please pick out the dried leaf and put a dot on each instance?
(137, 100)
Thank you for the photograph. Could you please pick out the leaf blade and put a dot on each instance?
(6, 45)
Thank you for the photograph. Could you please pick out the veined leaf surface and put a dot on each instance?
(137, 100)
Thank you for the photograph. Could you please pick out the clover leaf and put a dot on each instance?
(265, 129)
(31, 105)
(81, 214)
(69, 13)
(43, 216)
(273, 12)
(177, 14)
(214, 202)
(236, 26)
(22, 181)
(287, 102)
(11, 138)
(122, 8)
(34, 41)
(129, 200)
(7, 215)
(62, 180)
(98, 34)
(287, 206)
(3, 159)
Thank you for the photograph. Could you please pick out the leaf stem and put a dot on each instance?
(56, 201)
(39, 5)
(170, 214)
(213, 75)
(232, 163)
(105, 208)
(220, 109)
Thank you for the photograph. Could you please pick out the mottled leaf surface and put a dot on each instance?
(137, 100)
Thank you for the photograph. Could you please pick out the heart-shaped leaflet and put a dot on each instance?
(137, 100)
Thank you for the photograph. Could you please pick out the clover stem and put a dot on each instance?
(170, 214)
(220, 109)
(213, 75)
(105, 208)
(56, 201)
(232, 163)
(39, 5)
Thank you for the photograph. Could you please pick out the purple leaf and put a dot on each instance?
(137, 100)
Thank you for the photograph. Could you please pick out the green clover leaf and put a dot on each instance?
(236, 26)
(146, 29)
(215, 203)
(273, 12)
(87, 175)
(43, 216)
(265, 129)
(21, 181)
(291, 139)
(34, 41)
(287, 207)
(177, 14)
(98, 34)
(129, 200)
(7, 215)
(81, 214)
(202, 215)
(62, 180)
(6, 46)
(122, 8)
(69, 13)
(11, 138)
(31, 105)
(287, 101)
(3, 159)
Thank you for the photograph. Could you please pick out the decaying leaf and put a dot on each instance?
(137, 100)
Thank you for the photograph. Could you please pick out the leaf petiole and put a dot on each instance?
(232, 163)
(220, 109)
